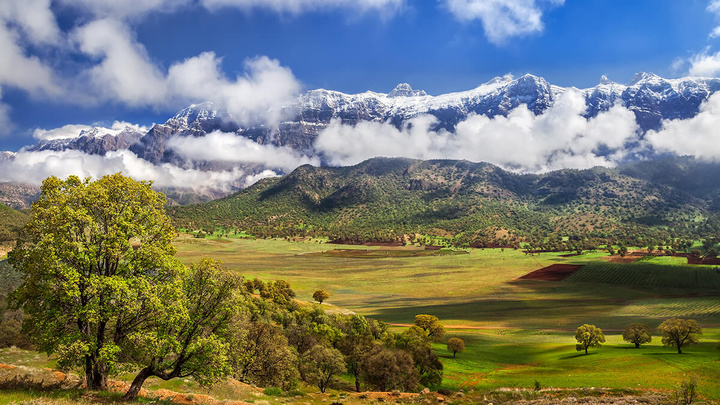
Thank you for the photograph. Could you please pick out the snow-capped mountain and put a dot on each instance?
(649, 96)
(95, 141)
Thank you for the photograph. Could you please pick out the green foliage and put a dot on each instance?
(637, 333)
(11, 221)
(455, 345)
(680, 332)
(320, 296)
(259, 353)
(431, 325)
(188, 338)
(468, 204)
(390, 369)
(320, 364)
(588, 336)
(95, 257)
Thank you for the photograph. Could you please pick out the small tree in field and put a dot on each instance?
(320, 296)
(637, 333)
(455, 345)
(588, 336)
(680, 332)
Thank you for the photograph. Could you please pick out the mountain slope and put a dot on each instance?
(479, 203)
(10, 222)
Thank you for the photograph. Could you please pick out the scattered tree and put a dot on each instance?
(97, 260)
(622, 251)
(320, 364)
(189, 338)
(320, 296)
(431, 325)
(637, 333)
(588, 336)
(680, 332)
(610, 250)
(259, 353)
(456, 345)
(389, 369)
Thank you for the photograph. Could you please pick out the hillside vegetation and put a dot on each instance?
(10, 222)
(476, 204)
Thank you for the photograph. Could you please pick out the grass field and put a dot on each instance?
(516, 331)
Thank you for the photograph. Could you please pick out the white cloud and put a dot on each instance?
(228, 147)
(33, 167)
(125, 73)
(705, 64)
(17, 68)
(125, 8)
(696, 136)
(385, 7)
(34, 17)
(264, 87)
(558, 138)
(502, 19)
(74, 130)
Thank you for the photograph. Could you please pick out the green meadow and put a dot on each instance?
(516, 331)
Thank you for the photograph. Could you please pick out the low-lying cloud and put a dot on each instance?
(230, 148)
(559, 138)
(696, 136)
(34, 167)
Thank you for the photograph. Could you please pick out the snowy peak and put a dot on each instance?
(645, 77)
(404, 90)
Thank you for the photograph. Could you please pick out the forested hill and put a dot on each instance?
(477, 203)
(10, 222)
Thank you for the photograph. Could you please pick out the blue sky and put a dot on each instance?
(96, 61)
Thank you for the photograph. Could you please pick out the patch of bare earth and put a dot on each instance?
(555, 272)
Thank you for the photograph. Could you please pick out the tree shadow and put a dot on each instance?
(574, 356)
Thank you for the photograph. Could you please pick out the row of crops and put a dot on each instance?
(644, 274)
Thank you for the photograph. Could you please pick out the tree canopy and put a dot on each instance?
(588, 336)
(637, 333)
(97, 261)
(680, 332)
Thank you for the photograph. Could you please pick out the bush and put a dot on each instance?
(273, 391)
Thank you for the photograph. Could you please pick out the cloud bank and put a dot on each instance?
(230, 148)
(34, 167)
(695, 136)
(502, 19)
(559, 138)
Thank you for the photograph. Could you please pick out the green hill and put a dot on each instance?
(10, 222)
(475, 203)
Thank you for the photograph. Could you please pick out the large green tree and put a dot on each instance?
(680, 332)
(97, 263)
(189, 339)
(588, 336)
(431, 325)
(637, 333)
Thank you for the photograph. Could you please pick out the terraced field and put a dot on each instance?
(648, 275)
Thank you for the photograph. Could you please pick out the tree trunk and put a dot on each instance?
(99, 379)
(679, 349)
(137, 384)
(454, 353)
(586, 349)
(357, 380)
(88, 373)
(637, 345)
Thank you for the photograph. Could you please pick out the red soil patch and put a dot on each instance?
(555, 272)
